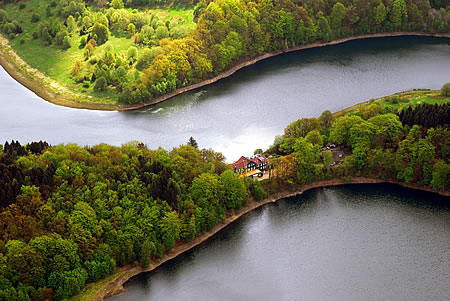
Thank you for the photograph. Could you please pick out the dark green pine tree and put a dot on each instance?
(192, 142)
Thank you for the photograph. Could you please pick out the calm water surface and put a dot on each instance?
(366, 242)
(246, 111)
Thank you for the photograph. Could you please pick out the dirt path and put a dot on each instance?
(116, 286)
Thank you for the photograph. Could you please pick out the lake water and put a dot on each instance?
(244, 112)
(359, 242)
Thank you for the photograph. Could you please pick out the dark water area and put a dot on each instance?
(358, 242)
(243, 112)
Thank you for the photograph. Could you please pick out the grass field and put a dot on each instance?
(56, 63)
(397, 101)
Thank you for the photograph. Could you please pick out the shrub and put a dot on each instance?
(45, 36)
(100, 84)
(131, 28)
(86, 84)
(48, 11)
(83, 41)
(394, 99)
(117, 4)
(102, 33)
(60, 37)
(22, 41)
(93, 43)
(132, 52)
(71, 23)
(3, 16)
(35, 35)
(66, 42)
(161, 32)
(35, 18)
(445, 90)
(22, 5)
(77, 66)
(146, 57)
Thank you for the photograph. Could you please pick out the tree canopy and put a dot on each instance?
(70, 215)
(170, 54)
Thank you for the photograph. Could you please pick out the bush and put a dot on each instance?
(132, 52)
(60, 37)
(3, 16)
(48, 11)
(77, 66)
(22, 41)
(86, 84)
(22, 5)
(394, 99)
(100, 84)
(66, 43)
(161, 32)
(445, 90)
(117, 4)
(146, 56)
(83, 41)
(102, 33)
(35, 35)
(35, 18)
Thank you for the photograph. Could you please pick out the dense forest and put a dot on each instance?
(410, 145)
(152, 56)
(426, 115)
(70, 215)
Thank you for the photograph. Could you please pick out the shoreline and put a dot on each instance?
(52, 92)
(115, 286)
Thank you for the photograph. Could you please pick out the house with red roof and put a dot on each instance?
(254, 166)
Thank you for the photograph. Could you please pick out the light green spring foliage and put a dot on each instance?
(224, 32)
(411, 146)
(445, 90)
(81, 212)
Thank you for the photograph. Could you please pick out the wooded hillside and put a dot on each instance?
(132, 52)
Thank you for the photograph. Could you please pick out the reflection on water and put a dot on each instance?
(243, 112)
(365, 242)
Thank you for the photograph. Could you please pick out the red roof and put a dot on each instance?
(259, 159)
(241, 163)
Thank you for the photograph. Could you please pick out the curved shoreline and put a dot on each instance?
(52, 92)
(115, 286)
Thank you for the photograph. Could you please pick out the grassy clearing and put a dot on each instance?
(56, 63)
(396, 102)
(91, 289)
(180, 14)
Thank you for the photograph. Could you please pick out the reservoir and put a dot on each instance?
(243, 112)
(358, 242)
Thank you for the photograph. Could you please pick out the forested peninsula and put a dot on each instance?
(127, 54)
(71, 216)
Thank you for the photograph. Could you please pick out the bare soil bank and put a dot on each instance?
(51, 91)
(116, 286)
